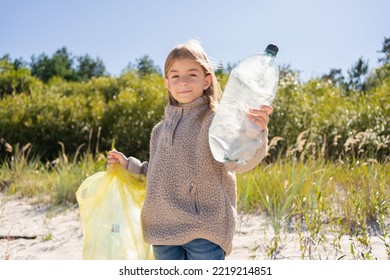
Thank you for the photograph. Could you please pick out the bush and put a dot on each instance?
(310, 120)
(131, 115)
(45, 118)
(125, 109)
(14, 81)
(317, 119)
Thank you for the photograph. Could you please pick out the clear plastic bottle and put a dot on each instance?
(252, 83)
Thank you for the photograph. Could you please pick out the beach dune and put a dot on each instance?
(34, 231)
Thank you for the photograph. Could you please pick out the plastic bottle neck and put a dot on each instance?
(270, 53)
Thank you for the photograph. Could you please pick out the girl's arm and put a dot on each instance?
(131, 164)
(136, 167)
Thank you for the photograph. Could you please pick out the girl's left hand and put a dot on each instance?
(260, 117)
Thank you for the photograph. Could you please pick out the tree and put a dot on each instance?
(145, 66)
(380, 74)
(19, 63)
(356, 75)
(88, 68)
(60, 64)
(386, 51)
(336, 76)
(41, 67)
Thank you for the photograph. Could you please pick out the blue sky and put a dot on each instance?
(313, 36)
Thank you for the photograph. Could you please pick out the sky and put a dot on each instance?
(312, 36)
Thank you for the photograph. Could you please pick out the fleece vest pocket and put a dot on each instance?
(193, 191)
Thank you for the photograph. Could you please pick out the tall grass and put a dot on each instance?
(53, 182)
(315, 197)
(321, 201)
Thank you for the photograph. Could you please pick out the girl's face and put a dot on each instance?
(186, 80)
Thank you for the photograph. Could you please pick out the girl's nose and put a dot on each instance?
(183, 80)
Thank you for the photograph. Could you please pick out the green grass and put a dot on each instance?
(52, 182)
(296, 183)
(310, 197)
(316, 197)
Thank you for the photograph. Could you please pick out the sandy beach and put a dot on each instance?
(47, 233)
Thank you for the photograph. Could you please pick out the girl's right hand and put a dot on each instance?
(117, 157)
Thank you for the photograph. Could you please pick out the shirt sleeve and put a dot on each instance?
(135, 166)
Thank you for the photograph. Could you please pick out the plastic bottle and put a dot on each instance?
(252, 83)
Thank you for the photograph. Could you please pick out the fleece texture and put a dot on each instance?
(189, 194)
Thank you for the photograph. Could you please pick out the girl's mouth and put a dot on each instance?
(184, 91)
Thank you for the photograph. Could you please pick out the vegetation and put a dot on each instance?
(329, 143)
(317, 200)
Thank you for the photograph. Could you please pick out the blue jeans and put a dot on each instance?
(197, 249)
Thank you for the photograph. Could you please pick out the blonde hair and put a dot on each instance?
(193, 50)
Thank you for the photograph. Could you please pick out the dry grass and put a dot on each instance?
(300, 193)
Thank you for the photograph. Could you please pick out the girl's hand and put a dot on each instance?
(117, 157)
(260, 117)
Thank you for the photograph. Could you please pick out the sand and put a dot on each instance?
(57, 235)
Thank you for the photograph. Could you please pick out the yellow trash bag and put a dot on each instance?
(110, 205)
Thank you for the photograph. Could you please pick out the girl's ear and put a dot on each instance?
(166, 82)
(207, 82)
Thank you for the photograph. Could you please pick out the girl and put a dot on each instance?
(190, 206)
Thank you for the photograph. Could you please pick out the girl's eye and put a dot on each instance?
(175, 77)
(193, 75)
